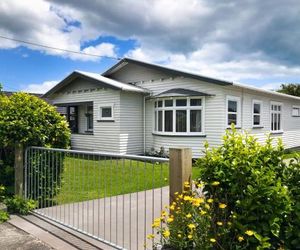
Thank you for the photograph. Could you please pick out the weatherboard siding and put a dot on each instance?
(106, 135)
(131, 117)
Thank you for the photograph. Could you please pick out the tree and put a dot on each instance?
(27, 120)
(290, 89)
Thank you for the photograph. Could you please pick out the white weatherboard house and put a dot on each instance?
(135, 106)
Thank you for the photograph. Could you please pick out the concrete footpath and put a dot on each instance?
(13, 238)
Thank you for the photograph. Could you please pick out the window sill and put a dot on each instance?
(179, 135)
(108, 120)
(257, 127)
(234, 127)
(85, 133)
(276, 132)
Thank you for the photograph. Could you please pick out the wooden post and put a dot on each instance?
(19, 169)
(180, 170)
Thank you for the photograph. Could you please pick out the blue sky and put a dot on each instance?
(231, 40)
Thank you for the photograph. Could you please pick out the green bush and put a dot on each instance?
(19, 205)
(28, 120)
(250, 177)
(3, 216)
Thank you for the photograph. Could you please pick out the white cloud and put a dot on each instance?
(40, 88)
(271, 86)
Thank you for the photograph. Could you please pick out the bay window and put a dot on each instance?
(179, 116)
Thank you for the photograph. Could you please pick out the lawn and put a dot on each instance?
(86, 179)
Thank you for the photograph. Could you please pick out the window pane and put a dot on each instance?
(106, 112)
(180, 120)
(279, 121)
(195, 120)
(168, 121)
(295, 112)
(279, 108)
(275, 121)
(275, 107)
(155, 104)
(168, 103)
(181, 102)
(159, 120)
(232, 106)
(232, 118)
(159, 104)
(196, 102)
(256, 108)
(272, 121)
(256, 120)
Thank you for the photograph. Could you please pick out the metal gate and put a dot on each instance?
(110, 197)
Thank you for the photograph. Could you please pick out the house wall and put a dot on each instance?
(106, 136)
(131, 130)
(215, 110)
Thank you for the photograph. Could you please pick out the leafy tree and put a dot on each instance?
(28, 120)
(290, 89)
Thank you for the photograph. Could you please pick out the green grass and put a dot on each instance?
(84, 179)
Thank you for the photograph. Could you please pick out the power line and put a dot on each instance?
(60, 49)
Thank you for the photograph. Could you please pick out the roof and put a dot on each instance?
(181, 92)
(98, 79)
(175, 72)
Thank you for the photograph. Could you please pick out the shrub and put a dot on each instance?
(29, 120)
(3, 216)
(250, 183)
(19, 205)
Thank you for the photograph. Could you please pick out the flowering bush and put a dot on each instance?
(251, 183)
(189, 223)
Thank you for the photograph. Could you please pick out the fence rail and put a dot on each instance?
(110, 197)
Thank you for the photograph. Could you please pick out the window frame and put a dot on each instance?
(253, 114)
(88, 116)
(238, 112)
(174, 108)
(101, 107)
(296, 107)
(274, 103)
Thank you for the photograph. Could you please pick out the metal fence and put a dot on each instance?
(110, 197)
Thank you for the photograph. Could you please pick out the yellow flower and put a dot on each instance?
(172, 207)
(249, 232)
(212, 240)
(207, 206)
(215, 183)
(202, 212)
(200, 185)
(229, 223)
(210, 200)
(176, 193)
(165, 179)
(190, 236)
(192, 226)
(150, 236)
(155, 224)
(197, 201)
(179, 235)
(240, 238)
(180, 196)
(166, 233)
(187, 198)
(222, 205)
(219, 223)
(186, 183)
(169, 220)
(188, 216)
(163, 213)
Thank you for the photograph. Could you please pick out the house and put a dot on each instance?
(136, 106)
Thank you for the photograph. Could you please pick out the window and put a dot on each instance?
(106, 113)
(233, 111)
(89, 118)
(179, 116)
(296, 111)
(256, 113)
(276, 117)
(72, 117)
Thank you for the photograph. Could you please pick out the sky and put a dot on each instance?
(251, 41)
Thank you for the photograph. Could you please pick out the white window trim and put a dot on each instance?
(188, 108)
(239, 109)
(295, 107)
(261, 106)
(87, 108)
(100, 107)
(281, 120)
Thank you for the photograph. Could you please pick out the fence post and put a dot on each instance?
(180, 170)
(19, 169)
